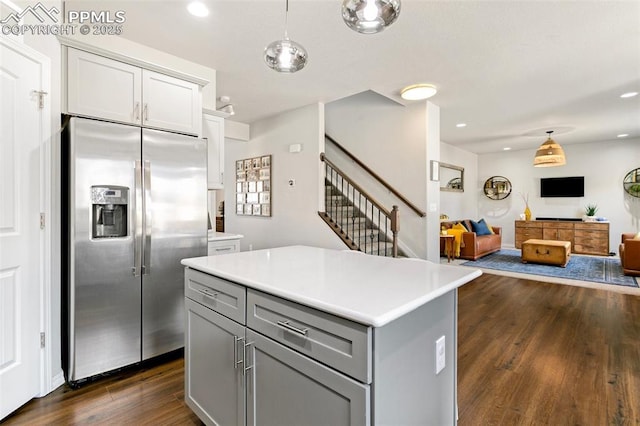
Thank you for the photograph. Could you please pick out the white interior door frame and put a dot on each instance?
(47, 137)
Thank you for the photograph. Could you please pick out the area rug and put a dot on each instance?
(584, 268)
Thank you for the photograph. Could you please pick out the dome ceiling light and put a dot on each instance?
(370, 16)
(550, 154)
(285, 55)
(418, 92)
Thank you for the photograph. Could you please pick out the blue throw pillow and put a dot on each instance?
(480, 227)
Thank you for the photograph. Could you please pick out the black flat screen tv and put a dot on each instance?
(562, 187)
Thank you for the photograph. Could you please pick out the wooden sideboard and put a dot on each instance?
(585, 237)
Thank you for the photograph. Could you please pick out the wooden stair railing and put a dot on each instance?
(356, 217)
(377, 177)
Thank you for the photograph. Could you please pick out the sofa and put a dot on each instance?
(630, 254)
(472, 245)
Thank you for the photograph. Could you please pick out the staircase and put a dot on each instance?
(357, 221)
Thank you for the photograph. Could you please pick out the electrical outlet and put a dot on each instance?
(440, 355)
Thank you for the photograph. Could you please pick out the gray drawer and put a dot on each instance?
(333, 341)
(222, 296)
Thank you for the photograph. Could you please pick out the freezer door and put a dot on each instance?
(175, 204)
(103, 303)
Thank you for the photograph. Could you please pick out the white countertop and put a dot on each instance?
(371, 290)
(221, 236)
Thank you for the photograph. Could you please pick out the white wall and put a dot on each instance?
(461, 205)
(294, 210)
(603, 165)
(391, 140)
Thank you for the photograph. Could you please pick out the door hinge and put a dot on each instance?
(42, 339)
(40, 94)
(42, 221)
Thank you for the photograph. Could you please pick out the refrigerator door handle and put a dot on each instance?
(137, 228)
(146, 244)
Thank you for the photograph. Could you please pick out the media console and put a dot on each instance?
(585, 237)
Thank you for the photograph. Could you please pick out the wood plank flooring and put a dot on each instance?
(538, 353)
(149, 394)
(529, 353)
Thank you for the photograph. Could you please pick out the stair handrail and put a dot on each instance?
(383, 182)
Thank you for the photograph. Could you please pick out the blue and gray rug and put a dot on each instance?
(584, 268)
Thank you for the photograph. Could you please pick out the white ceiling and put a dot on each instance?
(509, 69)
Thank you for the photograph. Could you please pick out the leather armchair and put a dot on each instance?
(630, 255)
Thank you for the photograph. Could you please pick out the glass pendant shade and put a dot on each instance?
(549, 154)
(370, 16)
(285, 56)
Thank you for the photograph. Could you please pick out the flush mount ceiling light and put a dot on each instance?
(418, 92)
(285, 55)
(549, 154)
(198, 9)
(629, 95)
(370, 16)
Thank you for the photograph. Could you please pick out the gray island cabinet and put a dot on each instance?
(307, 336)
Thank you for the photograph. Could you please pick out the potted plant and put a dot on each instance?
(590, 213)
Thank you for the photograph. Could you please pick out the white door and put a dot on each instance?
(20, 234)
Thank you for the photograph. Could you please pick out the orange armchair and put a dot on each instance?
(630, 254)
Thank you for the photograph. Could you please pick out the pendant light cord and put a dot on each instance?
(286, 13)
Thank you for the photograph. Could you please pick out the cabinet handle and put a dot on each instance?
(146, 112)
(235, 352)
(208, 293)
(244, 357)
(137, 111)
(224, 249)
(287, 326)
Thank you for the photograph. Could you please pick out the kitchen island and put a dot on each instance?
(303, 335)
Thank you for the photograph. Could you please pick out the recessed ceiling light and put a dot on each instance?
(623, 135)
(198, 9)
(506, 148)
(461, 125)
(418, 92)
(629, 95)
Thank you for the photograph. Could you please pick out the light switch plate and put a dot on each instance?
(440, 355)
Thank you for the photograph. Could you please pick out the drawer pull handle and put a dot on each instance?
(208, 294)
(289, 327)
(223, 249)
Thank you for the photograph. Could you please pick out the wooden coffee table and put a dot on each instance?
(548, 252)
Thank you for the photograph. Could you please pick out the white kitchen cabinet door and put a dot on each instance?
(214, 377)
(103, 88)
(213, 131)
(170, 103)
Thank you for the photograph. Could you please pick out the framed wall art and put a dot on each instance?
(253, 186)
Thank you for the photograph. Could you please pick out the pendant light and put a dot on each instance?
(549, 154)
(370, 16)
(285, 55)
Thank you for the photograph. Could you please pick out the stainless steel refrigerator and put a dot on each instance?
(136, 204)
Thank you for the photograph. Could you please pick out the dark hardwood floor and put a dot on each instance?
(530, 353)
(537, 353)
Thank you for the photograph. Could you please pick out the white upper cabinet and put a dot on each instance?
(105, 88)
(213, 131)
(170, 103)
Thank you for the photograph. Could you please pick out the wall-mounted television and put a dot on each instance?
(562, 187)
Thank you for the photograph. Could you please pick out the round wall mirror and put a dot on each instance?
(631, 183)
(497, 188)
